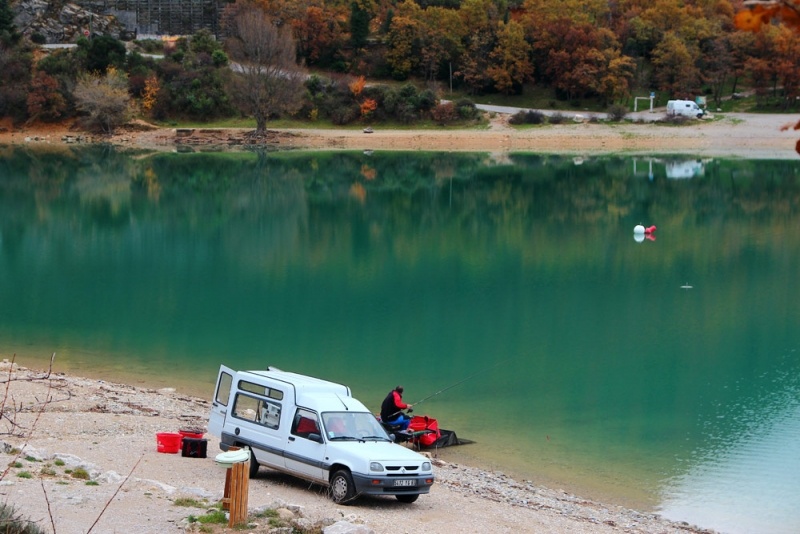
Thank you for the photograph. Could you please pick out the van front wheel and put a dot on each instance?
(343, 490)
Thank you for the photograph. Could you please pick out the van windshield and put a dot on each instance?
(352, 426)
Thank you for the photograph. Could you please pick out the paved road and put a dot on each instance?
(646, 116)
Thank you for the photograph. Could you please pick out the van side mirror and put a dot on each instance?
(392, 437)
(315, 437)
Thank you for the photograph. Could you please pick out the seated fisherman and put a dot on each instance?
(392, 409)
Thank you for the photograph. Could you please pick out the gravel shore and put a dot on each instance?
(109, 430)
(747, 135)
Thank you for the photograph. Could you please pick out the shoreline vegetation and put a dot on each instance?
(743, 135)
(83, 451)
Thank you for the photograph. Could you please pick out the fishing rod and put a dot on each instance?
(454, 385)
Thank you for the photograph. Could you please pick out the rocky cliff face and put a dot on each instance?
(62, 22)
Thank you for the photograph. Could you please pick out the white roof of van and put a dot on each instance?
(304, 383)
(329, 402)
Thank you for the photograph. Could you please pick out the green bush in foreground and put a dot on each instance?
(214, 516)
(13, 523)
(80, 473)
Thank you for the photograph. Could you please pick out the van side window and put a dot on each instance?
(258, 389)
(224, 388)
(255, 410)
(305, 422)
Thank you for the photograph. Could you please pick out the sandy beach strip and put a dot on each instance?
(109, 430)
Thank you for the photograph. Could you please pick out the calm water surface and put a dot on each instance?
(602, 373)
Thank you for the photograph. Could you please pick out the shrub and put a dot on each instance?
(12, 523)
(49, 471)
(105, 51)
(80, 473)
(527, 117)
(406, 113)
(557, 118)
(214, 516)
(617, 112)
(92, 483)
(426, 100)
(24, 474)
(444, 113)
(105, 99)
(59, 463)
(38, 38)
(187, 501)
(150, 46)
(466, 108)
(15, 464)
(345, 114)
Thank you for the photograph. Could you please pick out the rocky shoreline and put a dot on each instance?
(107, 430)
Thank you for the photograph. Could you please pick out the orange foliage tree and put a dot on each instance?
(762, 13)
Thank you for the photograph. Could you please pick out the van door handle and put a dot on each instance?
(291, 438)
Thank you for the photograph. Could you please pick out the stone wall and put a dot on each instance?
(65, 22)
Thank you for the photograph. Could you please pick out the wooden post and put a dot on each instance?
(240, 488)
(237, 490)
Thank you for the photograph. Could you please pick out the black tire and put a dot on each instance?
(699, 115)
(343, 489)
(408, 499)
(253, 465)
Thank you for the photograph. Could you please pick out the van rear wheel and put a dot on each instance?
(408, 499)
(253, 465)
(343, 489)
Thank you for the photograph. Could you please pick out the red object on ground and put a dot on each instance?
(168, 442)
(194, 434)
(421, 423)
(650, 229)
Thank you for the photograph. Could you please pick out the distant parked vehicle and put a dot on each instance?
(684, 108)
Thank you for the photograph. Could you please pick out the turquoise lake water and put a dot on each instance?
(662, 374)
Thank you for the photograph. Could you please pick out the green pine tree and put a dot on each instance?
(6, 18)
(359, 25)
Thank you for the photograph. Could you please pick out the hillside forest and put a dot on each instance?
(388, 60)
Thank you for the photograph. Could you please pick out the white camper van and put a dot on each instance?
(316, 430)
(685, 108)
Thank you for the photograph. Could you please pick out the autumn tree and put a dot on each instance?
(268, 80)
(615, 81)
(511, 65)
(44, 101)
(15, 66)
(480, 19)
(318, 35)
(442, 36)
(105, 98)
(718, 66)
(402, 46)
(787, 51)
(675, 63)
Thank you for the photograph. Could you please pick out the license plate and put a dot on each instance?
(405, 482)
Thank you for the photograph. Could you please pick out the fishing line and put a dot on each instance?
(464, 380)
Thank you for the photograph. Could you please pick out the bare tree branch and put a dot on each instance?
(115, 494)
(268, 80)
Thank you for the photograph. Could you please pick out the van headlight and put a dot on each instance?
(426, 466)
(375, 466)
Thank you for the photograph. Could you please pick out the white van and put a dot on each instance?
(316, 430)
(685, 108)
